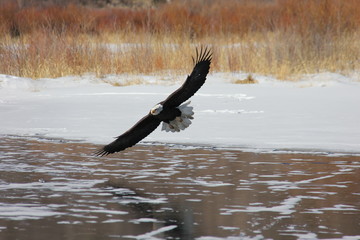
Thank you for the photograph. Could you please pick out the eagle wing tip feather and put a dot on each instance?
(100, 153)
(204, 55)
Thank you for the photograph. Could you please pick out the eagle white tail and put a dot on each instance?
(181, 122)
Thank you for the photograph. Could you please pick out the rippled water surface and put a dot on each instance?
(57, 190)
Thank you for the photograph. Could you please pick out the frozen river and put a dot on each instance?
(53, 189)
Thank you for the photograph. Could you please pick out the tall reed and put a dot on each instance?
(281, 37)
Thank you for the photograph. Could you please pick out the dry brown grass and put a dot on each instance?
(281, 38)
(248, 80)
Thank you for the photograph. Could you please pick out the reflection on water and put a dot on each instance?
(57, 190)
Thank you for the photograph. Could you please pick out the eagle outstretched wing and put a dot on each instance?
(139, 131)
(149, 123)
(194, 81)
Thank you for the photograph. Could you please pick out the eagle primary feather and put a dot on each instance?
(170, 110)
(194, 81)
(139, 131)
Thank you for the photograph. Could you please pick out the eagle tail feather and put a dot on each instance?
(181, 122)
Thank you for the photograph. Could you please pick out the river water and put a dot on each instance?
(56, 189)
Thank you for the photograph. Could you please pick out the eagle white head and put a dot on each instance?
(156, 109)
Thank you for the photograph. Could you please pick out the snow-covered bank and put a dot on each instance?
(320, 113)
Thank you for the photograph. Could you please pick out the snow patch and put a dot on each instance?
(317, 113)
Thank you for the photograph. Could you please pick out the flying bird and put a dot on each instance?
(174, 114)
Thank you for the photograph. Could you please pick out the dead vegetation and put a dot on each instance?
(248, 80)
(280, 37)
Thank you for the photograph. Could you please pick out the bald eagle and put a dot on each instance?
(174, 116)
